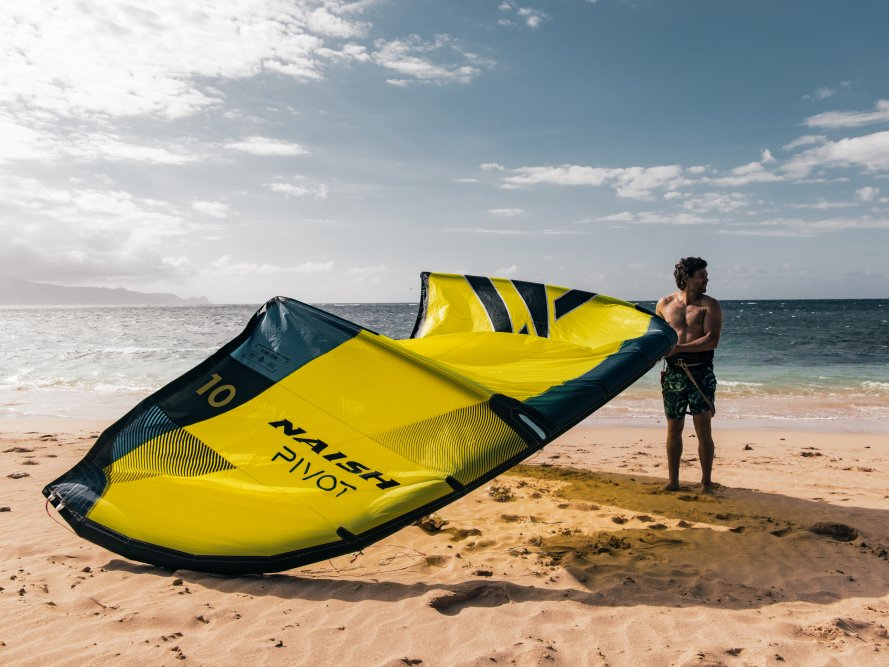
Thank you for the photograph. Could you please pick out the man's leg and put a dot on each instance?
(674, 451)
(706, 449)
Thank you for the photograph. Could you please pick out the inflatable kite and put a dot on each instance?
(308, 436)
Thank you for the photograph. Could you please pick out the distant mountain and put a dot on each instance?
(15, 292)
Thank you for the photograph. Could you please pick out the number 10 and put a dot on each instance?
(220, 396)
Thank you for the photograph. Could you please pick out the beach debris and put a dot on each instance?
(810, 453)
(436, 560)
(734, 651)
(5, 509)
(18, 450)
(619, 520)
(747, 447)
(431, 523)
(836, 531)
(18, 475)
(411, 661)
(501, 492)
(462, 533)
(483, 573)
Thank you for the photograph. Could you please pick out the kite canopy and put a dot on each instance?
(308, 436)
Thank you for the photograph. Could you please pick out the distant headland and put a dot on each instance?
(14, 292)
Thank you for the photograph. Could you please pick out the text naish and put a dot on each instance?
(324, 480)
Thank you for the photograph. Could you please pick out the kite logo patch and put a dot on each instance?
(318, 446)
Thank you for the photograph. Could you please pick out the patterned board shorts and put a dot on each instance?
(681, 397)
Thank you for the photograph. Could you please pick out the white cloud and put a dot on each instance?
(838, 119)
(624, 216)
(515, 14)
(225, 265)
(267, 146)
(18, 142)
(292, 190)
(491, 166)
(73, 234)
(746, 174)
(323, 21)
(869, 152)
(824, 205)
(533, 18)
(130, 58)
(506, 212)
(807, 140)
(349, 52)
(106, 146)
(630, 182)
(507, 271)
(44, 141)
(867, 193)
(442, 60)
(215, 209)
(820, 94)
(650, 218)
(722, 202)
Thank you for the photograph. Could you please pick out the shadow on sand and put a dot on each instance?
(742, 549)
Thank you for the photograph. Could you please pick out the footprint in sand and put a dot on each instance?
(837, 531)
(485, 596)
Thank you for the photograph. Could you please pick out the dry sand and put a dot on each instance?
(576, 559)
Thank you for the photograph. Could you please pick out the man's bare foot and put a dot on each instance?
(707, 488)
(672, 486)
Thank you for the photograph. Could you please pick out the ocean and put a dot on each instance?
(820, 364)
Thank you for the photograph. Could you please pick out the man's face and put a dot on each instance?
(697, 281)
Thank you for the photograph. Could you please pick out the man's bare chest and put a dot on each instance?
(687, 318)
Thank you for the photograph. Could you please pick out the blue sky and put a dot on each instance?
(330, 150)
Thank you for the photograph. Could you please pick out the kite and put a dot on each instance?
(308, 436)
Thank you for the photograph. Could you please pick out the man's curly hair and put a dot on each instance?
(685, 268)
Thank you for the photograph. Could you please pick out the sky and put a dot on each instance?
(331, 150)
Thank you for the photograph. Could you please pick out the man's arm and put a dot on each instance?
(712, 327)
(659, 311)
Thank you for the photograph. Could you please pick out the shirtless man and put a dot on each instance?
(697, 319)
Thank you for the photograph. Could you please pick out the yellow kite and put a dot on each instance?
(308, 436)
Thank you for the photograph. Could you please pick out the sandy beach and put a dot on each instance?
(578, 558)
